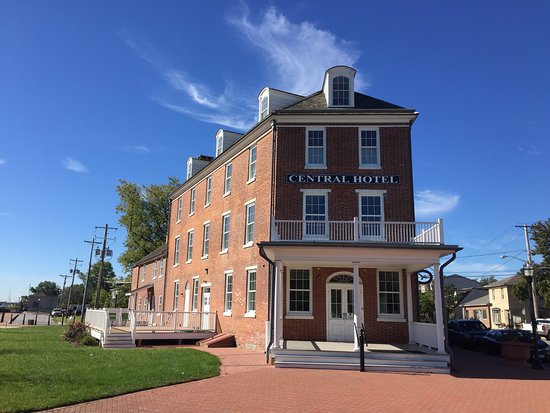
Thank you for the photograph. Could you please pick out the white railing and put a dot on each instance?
(359, 231)
(98, 320)
(424, 334)
(172, 321)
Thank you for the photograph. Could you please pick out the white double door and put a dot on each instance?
(340, 310)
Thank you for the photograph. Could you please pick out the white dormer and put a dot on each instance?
(339, 86)
(194, 165)
(224, 139)
(271, 99)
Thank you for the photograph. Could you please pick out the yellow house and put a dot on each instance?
(506, 310)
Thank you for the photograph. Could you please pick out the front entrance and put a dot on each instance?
(205, 322)
(340, 308)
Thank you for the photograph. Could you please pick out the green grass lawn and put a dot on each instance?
(39, 370)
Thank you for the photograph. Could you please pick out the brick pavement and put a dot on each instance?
(481, 384)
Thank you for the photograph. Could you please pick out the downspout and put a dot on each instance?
(270, 288)
(445, 315)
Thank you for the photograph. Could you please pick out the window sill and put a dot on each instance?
(250, 180)
(315, 167)
(370, 167)
(204, 257)
(226, 194)
(176, 265)
(251, 314)
(248, 245)
(207, 205)
(178, 221)
(222, 252)
(188, 261)
(227, 314)
(299, 317)
(391, 320)
(192, 213)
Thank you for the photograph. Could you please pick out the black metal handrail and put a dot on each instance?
(360, 333)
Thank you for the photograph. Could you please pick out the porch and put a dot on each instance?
(121, 327)
(410, 358)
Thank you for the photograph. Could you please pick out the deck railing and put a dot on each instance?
(172, 321)
(358, 231)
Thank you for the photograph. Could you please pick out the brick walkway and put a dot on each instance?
(481, 384)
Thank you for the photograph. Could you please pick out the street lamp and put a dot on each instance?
(533, 292)
(535, 360)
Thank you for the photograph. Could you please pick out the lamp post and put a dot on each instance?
(535, 360)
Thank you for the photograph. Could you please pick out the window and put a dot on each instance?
(219, 144)
(176, 294)
(502, 293)
(227, 183)
(340, 91)
(159, 307)
(315, 213)
(389, 294)
(177, 251)
(371, 211)
(189, 168)
(190, 236)
(299, 292)
(155, 269)
(178, 217)
(142, 273)
(208, 191)
(205, 239)
(496, 316)
(161, 270)
(369, 148)
(251, 291)
(252, 163)
(228, 302)
(192, 201)
(249, 229)
(264, 107)
(195, 301)
(484, 314)
(493, 292)
(315, 148)
(225, 232)
(139, 305)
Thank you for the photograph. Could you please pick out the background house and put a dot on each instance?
(506, 309)
(475, 305)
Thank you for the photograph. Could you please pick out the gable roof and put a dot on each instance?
(476, 297)
(513, 280)
(460, 282)
(154, 255)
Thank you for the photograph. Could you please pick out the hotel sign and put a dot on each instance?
(341, 179)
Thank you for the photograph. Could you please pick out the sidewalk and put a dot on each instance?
(481, 384)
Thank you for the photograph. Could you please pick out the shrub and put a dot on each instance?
(75, 331)
(88, 340)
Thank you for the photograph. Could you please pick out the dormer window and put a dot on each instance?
(338, 86)
(219, 144)
(264, 107)
(189, 168)
(340, 91)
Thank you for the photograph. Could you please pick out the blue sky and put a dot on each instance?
(94, 92)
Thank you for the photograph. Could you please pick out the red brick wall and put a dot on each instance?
(316, 329)
(157, 282)
(249, 331)
(342, 148)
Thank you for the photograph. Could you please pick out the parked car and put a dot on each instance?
(543, 327)
(466, 333)
(57, 312)
(492, 341)
(74, 309)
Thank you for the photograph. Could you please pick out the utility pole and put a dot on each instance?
(98, 288)
(74, 270)
(87, 279)
(62, 296)
(530, 264)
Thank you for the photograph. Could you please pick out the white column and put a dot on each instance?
(278, 310)
(439, 311)
(357, 303)
(410, 317)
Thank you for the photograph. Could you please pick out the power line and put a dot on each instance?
(488, 254)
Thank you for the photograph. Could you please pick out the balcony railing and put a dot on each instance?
(358, 231)
(172, 321)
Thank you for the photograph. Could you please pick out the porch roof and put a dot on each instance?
(412, 257)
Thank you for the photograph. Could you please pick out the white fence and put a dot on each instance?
(172, 321)
(424, 334)
(359, 231)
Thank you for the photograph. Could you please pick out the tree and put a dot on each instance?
(427, 302)
(48, 288)
(487, 280)
(144, 213)
(107, 277)
(540, 235)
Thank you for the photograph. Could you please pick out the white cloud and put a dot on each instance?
(300, 52)
(531, 150)
(139, 149)
(74, 165)
(433, 203)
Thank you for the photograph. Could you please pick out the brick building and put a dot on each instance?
(292, 223)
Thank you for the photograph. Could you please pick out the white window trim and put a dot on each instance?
(162, 267)
(178, 209)
(227, 313)
(370, 166)
(253, 178)
(195, 305)
(251, 313)
(204, 224)
(350, 90)
(316, 166)
(176, 295)
(372, 192)
(225, 180)
(224, 250)
(177, 241)
(208, 198)
(323, 192)
(189, 257)
(192, 199)
(246, 205)
(155, 270)
(390, 317)
(306, 315)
